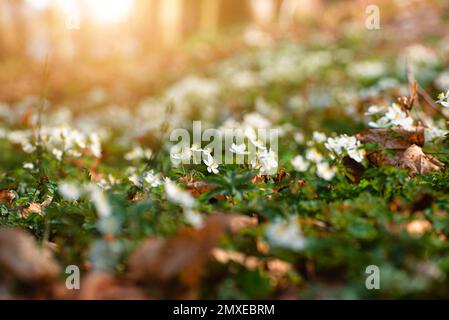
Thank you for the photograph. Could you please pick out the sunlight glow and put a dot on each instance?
(110, 11)
(103, 11)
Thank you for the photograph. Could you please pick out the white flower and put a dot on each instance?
(299, 137)
(107, 183)
(286, 234)
(314, 156)
(135, 179)
(374, 110)
(69, 191)
(395, 116)
(398, 117)
(255, 164)
(367, 69)
(212, 165)
(325, 171)
(138, 153)
(154, 180)
(192, 87)
(194, 218)
(28, 148)
(185, 154)
(345, 144)
(443, 99)
(251, 134)
(28, 165)
(319, 137)
(380, 123)
(176, 195)
(268, 162)
(196, 148)
(258, 144)
(433, 133)
(255, 120)
(99, 199)
(57, 153)
(300, 164)
(238, 149)
(147, 179)
(356, 154)
(95, 145)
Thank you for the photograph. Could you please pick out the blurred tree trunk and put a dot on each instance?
(287, 12)
(3, 29)
(170, 21)
(146, 24)
(263, 11)
(19, 27)
(234, 12)
(210, 15)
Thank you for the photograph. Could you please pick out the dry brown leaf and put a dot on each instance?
(400, 148)
(22, 259)
(393, 138)
(417, 162)
(7, 196)
(181, 258)
(36, 207)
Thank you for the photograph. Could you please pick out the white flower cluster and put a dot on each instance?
(193, 87)
(146, 180)
(195, 151)
(65, 141)
(59, 141)
(138, 153)
(345, 145)
(266, 162)
(323, 169)
(394, 116)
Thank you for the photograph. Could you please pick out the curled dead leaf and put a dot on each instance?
(36, 207)
(417, 162)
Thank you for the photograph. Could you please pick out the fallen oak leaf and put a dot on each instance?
(179, 260)
(417, 162)
(396, 138)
